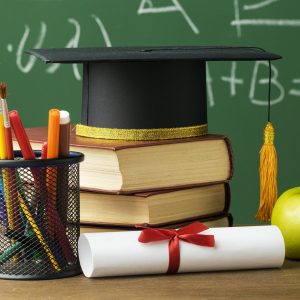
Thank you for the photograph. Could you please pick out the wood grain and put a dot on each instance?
(257, 284)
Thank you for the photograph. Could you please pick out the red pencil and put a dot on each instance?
(21, 135)
(44, 150)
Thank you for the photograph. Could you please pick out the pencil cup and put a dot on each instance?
(39, 217)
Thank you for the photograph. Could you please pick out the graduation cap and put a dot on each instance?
(152, 93)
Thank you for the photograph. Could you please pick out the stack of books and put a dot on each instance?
(165, 183)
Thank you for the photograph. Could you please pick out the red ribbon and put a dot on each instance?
(188, 234)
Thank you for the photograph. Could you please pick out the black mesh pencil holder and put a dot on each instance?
(39, 217)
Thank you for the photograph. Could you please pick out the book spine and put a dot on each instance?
(231, 157)
(227, 197)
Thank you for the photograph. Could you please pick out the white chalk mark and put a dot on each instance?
(265, 81)
(296, 80)
(186, 16)
(295, 92)
(232, 79)
(238, 22)
(9, 48)
(73, 43)
(237, 17)
(266, 22)
(210, 94)
(144, 5)
(147, 7)
(258, 5)
(155, 10)
(103, 31)
(20, 51)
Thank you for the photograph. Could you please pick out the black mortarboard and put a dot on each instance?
(146, 93)
(149, 93)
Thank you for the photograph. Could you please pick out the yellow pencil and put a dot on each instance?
(5, 175)
(38, 233)
(3, 154)
(5, 172)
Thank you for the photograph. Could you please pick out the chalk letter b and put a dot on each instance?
(265, 81)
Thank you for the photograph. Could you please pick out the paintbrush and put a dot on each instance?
(7, 127)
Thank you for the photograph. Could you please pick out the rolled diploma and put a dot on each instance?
(120, 253)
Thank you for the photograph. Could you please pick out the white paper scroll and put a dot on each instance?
(120, 253)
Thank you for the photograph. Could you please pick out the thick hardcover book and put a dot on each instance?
(154, 208)
(224, 220)
(131, 166)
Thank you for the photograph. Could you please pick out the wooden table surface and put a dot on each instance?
(256, 284)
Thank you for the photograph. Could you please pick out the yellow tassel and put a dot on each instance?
(268, 175)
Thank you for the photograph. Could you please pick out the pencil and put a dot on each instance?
(10, 252)
(26, 150)
(3, 154)
(55, 225)
(9, 179)
(51, 177)
(36, 229)
(4, 172)
(44, 150)
(63, 173)
(53, 133)
(3, 212)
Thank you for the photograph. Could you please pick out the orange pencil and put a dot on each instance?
(51, 178)
(53, 133)
(55, 226)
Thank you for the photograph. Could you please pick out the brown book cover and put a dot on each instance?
(225, 219)
(39, 135)
(89, 146)
(122, 207)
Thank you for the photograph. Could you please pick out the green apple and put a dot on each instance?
(286, 215)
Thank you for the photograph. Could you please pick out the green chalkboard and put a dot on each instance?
(237, 92)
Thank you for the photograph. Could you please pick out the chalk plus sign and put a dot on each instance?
(233, 80)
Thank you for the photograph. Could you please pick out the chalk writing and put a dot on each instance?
(265, 81)
(10, 48)
(257, 79)
(232, 79)
(235, 83)
(237, 18)
(72, 43)
(295, 92)
(26, 68)
(103, 30)
(238, 22)
(210, 94)
(147, 7)
(258, 4)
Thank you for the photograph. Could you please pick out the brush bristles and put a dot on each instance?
(3, 89)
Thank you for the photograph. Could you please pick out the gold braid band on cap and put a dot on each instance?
(141, 134)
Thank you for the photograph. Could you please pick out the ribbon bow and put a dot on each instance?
(188, 234)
